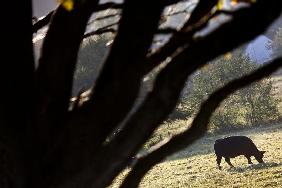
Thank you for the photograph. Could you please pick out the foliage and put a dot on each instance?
(67, 4)
(91, 55)
(277, 41)
(252, 105)
(277, 46)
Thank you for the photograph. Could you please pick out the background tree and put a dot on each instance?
(44, 144)
(253, 105)
(277, 45)
(90, 58)
(277, 41)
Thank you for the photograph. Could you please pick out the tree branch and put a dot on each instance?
(57, 63)
(42, 22)
(183, 39)
(105, 17)
(199, 124)
(184, 36)
(120, 76)
(118, 85)
(109, 5)
(99, 32)
(46, 19)
(104, 29)
(161, 101)
(167, 30)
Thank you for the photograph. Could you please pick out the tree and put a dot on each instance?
(46, 145)
(248, 106)
(277, 41)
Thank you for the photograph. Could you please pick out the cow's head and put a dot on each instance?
(259, 156)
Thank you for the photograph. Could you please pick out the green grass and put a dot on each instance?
(195, 166)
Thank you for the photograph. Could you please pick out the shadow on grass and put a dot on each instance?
(254, 167)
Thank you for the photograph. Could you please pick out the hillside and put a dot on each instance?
(195, 166)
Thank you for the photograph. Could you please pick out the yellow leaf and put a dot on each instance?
(220, 4)
(227, 56)
(205, 68)
(235, 2)
(67, 4)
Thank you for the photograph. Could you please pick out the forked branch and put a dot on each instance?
(46, 19)
(171, 80)
(199, 124)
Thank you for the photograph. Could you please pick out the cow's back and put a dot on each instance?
(233, 146)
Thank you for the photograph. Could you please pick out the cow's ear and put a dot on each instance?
(262, 152)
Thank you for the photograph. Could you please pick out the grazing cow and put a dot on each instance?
(234, 146)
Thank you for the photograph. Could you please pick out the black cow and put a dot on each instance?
(234, 146)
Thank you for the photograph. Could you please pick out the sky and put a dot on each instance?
(256, 49)
(43, 7)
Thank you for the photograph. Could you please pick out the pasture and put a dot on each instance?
(195, 166)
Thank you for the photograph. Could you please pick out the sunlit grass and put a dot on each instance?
(195, 166)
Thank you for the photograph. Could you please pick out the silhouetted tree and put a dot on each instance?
(44, 144)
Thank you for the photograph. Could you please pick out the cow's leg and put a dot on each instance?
(227, 159)
(218, 160)
(249, 159)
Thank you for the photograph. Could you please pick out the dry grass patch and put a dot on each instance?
(195, 166)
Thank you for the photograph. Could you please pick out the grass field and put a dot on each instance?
(195, 166)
